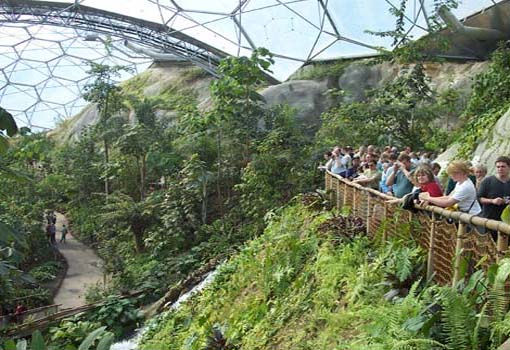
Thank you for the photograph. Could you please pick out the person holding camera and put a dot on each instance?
(399, 176)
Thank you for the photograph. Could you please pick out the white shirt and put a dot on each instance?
(465, 194)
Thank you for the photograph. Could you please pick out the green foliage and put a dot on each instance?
(489, 100)
(321, 70)
(401, 112)
(118, 315)
(294, 288)
(46, 272)
(71, 332)
(70, 338)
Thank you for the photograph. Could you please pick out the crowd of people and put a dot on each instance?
(406, 174)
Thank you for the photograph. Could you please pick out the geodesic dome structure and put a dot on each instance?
(45, 46)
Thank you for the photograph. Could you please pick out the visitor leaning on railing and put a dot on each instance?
(464, 193)
(443, 233)
(399, 176)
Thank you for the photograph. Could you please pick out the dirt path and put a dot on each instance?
(84, 269)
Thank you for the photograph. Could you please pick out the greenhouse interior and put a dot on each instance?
(254, 174)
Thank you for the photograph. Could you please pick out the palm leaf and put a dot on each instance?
(89, 340)
(106, 342)
(8, 234)
(38, 341)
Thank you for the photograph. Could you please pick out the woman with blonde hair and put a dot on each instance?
(464, 193)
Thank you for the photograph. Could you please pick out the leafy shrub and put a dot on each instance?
(119, 315)
(71, 332)
(97, 339)
(46, 272)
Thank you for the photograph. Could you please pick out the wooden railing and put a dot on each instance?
(454, 241)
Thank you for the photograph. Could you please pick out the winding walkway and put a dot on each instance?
(84, 269)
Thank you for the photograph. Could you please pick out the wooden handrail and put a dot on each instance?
(454, 215)
(446, 241)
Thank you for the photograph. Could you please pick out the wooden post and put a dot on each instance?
(345, 194)
(338, 202)
(368, 212)
(354, 210)
(329, 186)
(385, 218)
(432, 247)
(458, 250)
(502, 244)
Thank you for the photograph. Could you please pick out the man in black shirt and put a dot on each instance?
(494, 192)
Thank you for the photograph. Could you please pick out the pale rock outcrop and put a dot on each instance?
(495, 143)
(307, 97)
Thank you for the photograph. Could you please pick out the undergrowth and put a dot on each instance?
(299, 287)
(295, 288)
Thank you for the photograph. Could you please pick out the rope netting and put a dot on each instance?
(453, 240)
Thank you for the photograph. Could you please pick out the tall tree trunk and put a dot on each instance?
(204, 198)
(106, 150)
(143, 165)
(218, 177)
(139, 246)
(138, 229)
(106, 161)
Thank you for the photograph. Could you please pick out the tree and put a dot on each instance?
(137, 140)
(123, 210)
(237, 109)
(107, 96)
(401, 112)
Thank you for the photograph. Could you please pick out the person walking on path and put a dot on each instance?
(84, 269)
(64, 233)
(52, 230)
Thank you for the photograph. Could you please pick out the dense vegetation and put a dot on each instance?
(166, 196)
(27, 263)
(160, 194)
(306, 285)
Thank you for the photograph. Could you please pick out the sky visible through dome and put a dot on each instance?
(44, 66)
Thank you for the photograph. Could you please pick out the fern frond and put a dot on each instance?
(458, 320)
(417, 344)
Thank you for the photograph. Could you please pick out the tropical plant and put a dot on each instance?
(122, 211)
(118, 315)
(107, 96)
(97, 339)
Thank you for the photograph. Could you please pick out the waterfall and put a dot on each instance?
(132, 342)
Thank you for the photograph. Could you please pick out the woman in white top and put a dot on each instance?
(464, 194)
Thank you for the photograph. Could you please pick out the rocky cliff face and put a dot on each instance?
(495, 143)
(308, 96)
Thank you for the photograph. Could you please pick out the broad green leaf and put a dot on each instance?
(8, 234)
(505, 215)
(37, 341)
(87, 342)
(21, 345)
(106, 342)
(503, 271)
(7, 122)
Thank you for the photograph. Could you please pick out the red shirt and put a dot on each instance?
(432, 188)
